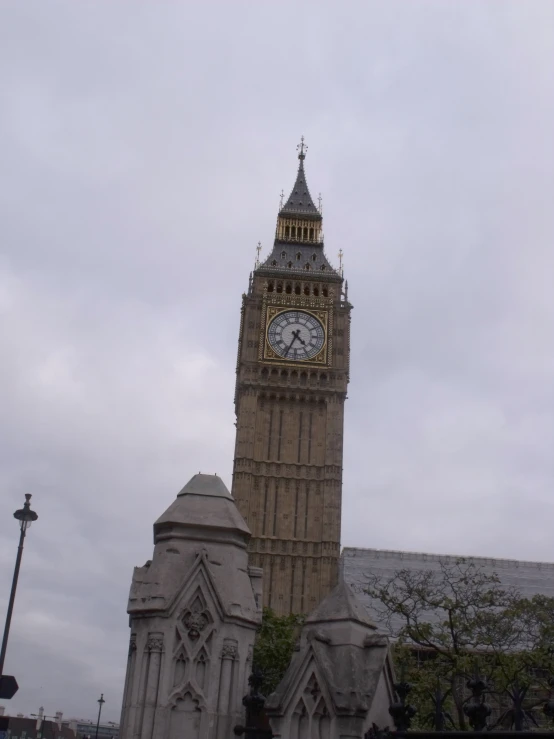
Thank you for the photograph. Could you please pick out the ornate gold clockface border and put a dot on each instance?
(323, 315)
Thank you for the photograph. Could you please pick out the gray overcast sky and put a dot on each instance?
(143, 149)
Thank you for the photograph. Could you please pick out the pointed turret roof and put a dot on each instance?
(341, 605)
(205, 503)
(300, 201)
(201, 484)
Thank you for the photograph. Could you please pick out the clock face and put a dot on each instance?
(294, 334)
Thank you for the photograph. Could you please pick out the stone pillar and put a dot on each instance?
(140, 678)
(154, 646)
(226, 689)
(127, 710)
(228, 655)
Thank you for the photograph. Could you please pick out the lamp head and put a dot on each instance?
(25, 515)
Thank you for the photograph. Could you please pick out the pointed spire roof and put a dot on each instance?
(341, 605)
(201, 484)
(204, 503)
(300, 201)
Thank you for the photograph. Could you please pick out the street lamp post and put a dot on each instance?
(25, 516)
(101, 702)
(43, 717)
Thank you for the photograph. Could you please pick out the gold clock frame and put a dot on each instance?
(319, 308)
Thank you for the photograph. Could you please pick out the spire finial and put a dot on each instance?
(302, 149)
(319, 200)
(281, 195)
(341, 254)
(258, 250)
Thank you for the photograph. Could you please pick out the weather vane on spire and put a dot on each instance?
(341, 254)
(258, 250)
(281, 195)
(302, 149)
(320, 200)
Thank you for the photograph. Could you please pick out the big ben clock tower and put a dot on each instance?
(292, 375)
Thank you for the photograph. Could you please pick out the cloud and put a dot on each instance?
(142, 156)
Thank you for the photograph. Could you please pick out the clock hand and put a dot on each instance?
(295, 336)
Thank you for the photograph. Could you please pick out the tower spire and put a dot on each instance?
(300, 201)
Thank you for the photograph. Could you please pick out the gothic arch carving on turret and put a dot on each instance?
(198, 612)
(195, 624)
(185, 713)
(196, 618)
(192, 665)
(180, 668)
(199, 582)
(312, 713)
(201, 668)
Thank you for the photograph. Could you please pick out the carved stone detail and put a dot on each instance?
(195, 622)
(132, 644)
(155, 643)
(229, 651)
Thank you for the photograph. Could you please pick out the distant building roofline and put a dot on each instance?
(408, 555)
